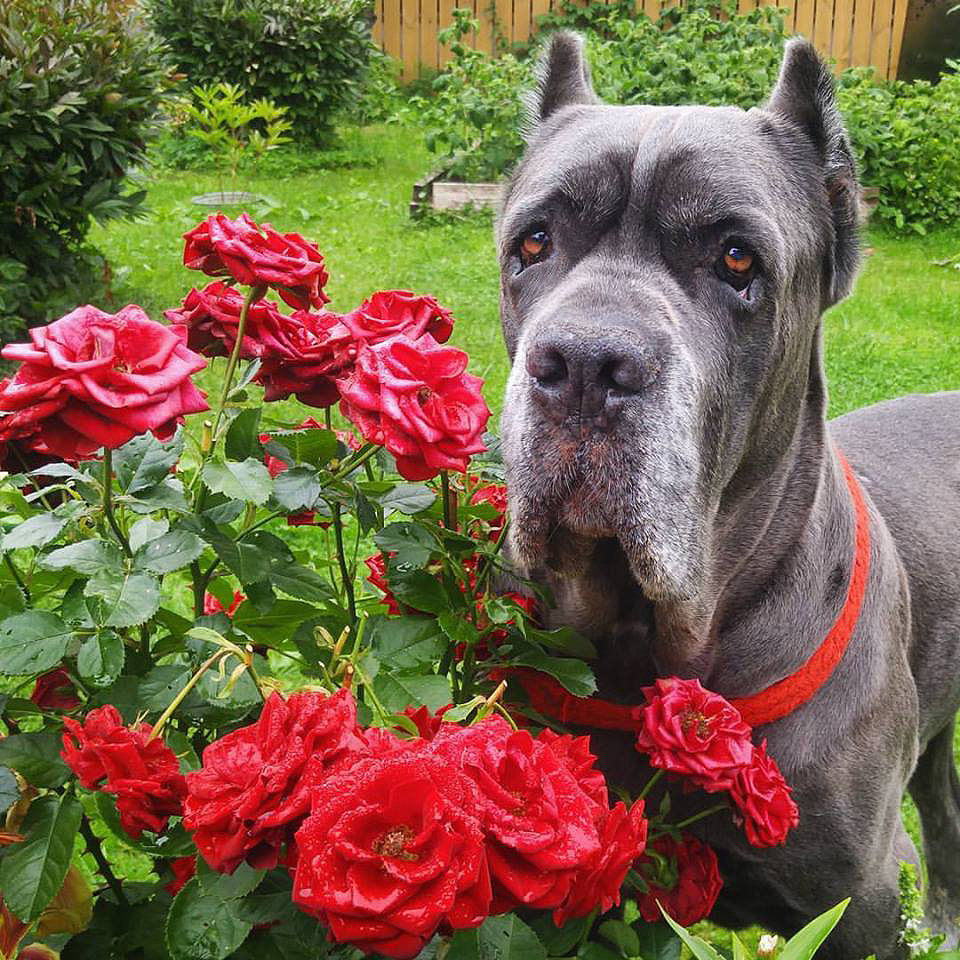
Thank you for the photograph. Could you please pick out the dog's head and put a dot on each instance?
(664, 270)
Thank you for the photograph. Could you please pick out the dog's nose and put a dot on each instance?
(582, 375)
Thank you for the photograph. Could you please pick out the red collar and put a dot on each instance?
(776, 701)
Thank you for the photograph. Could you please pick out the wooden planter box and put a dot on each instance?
(435, 193)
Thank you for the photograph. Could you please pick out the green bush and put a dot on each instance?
(79, 84)
(907, 140)
(309, 56)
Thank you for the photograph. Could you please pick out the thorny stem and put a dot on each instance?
(449, 502)
(352, 465)
(108, 501)
(96, 851)
(182, 695)
(253, 294)
(342, 558)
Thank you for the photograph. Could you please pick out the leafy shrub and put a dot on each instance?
(475, 115)
(306, 55)
(79, 84)
(907, 140)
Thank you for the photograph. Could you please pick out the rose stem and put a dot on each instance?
(342, 557)
(449, 502)
(182, 695)
(93, 846)
(352, 465)
(108, 502)
(253, 294)
(651, 783)
(701, 815)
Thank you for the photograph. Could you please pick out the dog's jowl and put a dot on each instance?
(675, 484)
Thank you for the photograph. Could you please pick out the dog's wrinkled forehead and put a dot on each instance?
(669, 169)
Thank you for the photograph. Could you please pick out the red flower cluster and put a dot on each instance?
(92, 380)
(212, 605)
(252, 792)
(258, 256)
(690, 885)
(496, 495)
(689, 731)
(391, 839)
(143, 773)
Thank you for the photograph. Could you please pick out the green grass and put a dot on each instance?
(898, 333)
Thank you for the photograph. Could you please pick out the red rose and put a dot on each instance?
(258, 256)
(391, 312)
(574, 753)
(692, 886)
(415, 398)
(92, 380)
(390, 852)
(496, 495)
(623, 835)
(55, 691)
(212, 605)
(427, 723)
(211, 317)
(183, 869)
(540, 825)
(763, 797)
(693, 732)
(252, 792)
(300, 359)
(143, 773)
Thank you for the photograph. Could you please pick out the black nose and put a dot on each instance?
(586, 376)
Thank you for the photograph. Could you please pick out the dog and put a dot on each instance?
(675, 487)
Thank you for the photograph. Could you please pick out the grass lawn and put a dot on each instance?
(899, 332)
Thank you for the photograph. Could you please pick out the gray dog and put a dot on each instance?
(674, 482)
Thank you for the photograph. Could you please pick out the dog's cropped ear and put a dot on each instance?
(805, 96)
(563, 77)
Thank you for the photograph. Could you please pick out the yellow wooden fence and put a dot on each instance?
(852, 32)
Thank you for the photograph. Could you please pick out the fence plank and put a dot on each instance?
(803, 23)
(899, 25)
(377, 31)
(410, 37)
(522, 21)
(392, 37)
(427, 34)
(823, 24)
(842, 33)
(880, 41)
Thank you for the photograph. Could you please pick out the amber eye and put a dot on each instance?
(738, 260)
(535, 247)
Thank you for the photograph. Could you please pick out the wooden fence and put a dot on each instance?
(852, 32)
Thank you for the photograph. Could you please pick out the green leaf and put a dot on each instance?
(505, 937)
(559, 941)
(36, 757)
(803, 945)
(657, 942)
(739, 950)
(87, 557)
(246, 560)
(9, 790)
(408, 498)
(166, 495)
(145, 461)
(243, 437)
(202, 926)
(100, 658)
(699, 948)
(277, 624)
(575, 675)
(622, 936)
(422, 591)
(145, 530)
(32, 642)
(592, 950)
(123, 599)
(169, 552)
(399, 691)
(32, 872)
(405, 642)
(249, 480)
(300, 582)
(173, 842)
(297, 488)
(311, 446)
(410, 542)
(242, 881)
(34, 532)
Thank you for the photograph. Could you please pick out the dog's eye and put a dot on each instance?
(737, 265)
(535, 247)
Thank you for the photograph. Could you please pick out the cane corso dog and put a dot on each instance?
(675, 487)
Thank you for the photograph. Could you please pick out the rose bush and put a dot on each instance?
(309, 751)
